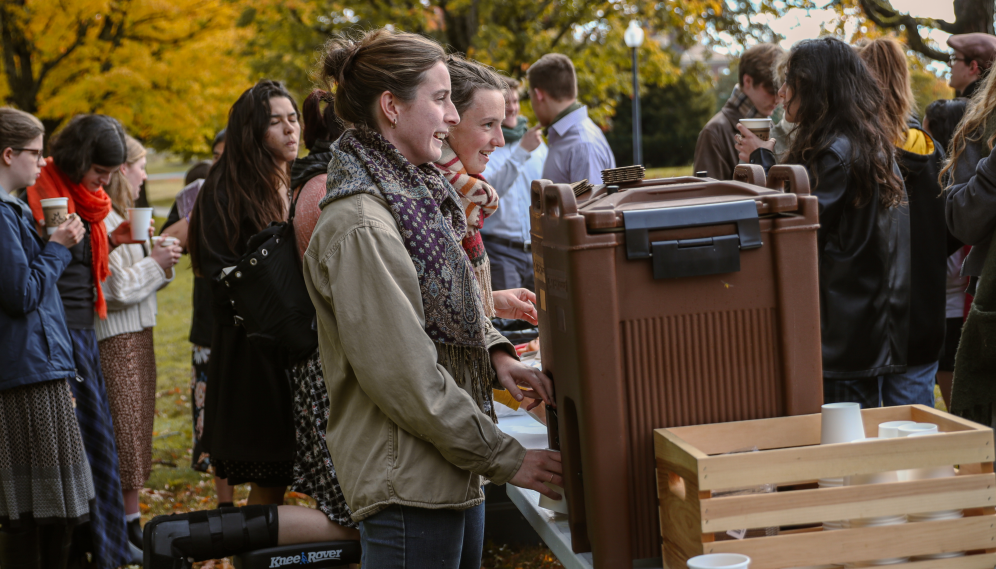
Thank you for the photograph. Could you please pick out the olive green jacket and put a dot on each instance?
(401, 430)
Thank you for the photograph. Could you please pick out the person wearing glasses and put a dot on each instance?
(973, 56)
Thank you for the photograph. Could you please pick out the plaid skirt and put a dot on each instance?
(44, 474)
(314, 473)
(109, 542)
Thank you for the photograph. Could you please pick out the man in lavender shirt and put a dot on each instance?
(578, 149)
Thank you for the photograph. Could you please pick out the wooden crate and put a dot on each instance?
(692, 463)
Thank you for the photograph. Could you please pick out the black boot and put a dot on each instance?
(135, 532)
(55, 541)
(175, 541)
(19, 549)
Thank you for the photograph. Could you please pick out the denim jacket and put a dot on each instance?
(33, 333)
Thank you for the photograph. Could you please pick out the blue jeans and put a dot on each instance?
(403, 537)
(914, 386)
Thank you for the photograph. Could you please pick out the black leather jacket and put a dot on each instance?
(864, 260)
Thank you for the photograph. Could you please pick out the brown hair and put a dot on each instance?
(320, 124)
(760, 62)
(511, 82)
(887, 62)
(554, 74)
(18, 128)
(360, 67)
(467, 78)
(119, 188)
(976, 127)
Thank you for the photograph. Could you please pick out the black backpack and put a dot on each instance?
(269, 295)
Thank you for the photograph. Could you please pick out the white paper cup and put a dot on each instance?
(164, 241)
(890, 430)
(559, 506)
(719, 561)
(140, 218)
(56, 212)
(924, 428)
(841, 423)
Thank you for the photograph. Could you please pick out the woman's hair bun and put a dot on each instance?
(339, 52)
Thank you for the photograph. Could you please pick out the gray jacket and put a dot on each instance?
(970, 206)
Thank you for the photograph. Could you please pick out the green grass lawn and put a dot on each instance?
(669, 172)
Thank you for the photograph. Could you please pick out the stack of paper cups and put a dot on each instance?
(890, 430)
(929, 473)
(839, 423)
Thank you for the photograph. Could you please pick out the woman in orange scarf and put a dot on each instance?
(83, 156)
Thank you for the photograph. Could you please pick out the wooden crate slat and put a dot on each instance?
(782, 432)
(781, 466)
(945, 421)
(983, 561)
(862, 544)
(681, 457)
(827, 504)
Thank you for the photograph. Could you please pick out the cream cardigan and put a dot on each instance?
(130, 291)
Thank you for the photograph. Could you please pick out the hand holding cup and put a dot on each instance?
(69, 233)
(166, 252)
(748, 142)
(123, 234)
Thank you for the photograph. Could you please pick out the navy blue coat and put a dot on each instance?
(34, 341)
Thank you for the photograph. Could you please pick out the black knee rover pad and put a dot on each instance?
(301, 556)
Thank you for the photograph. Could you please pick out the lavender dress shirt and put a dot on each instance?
(578, 150)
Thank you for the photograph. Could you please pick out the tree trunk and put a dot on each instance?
(974, 16)
(17, 62)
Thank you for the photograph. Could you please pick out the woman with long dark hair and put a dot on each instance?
(248, 428)
(84, 155)
(863, 239)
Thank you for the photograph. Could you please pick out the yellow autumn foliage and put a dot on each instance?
(169, 70)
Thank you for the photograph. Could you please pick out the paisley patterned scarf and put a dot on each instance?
(432, 225)
(479, 201)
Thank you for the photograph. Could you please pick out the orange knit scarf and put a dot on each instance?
(92, 207)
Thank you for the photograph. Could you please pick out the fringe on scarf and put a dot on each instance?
(463, 362)
(483, 274)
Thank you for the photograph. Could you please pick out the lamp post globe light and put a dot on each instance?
(634, 39)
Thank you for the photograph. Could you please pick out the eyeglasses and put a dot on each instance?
(36, 151)
(954, 58)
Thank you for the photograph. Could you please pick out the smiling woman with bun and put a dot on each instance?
(409, 355)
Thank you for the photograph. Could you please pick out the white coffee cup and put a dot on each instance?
(164, 241)
(140, 219)
(559, 506)
(841, 423)
(890, 430)
(56, 212)
(719, 561)
(924, 428)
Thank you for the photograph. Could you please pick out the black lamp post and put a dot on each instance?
(634, 39)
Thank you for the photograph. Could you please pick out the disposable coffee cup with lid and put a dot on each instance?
(760, 127)
(56, 212)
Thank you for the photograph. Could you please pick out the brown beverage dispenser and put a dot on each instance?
(666, 303)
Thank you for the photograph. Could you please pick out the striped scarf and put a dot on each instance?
(479, 200)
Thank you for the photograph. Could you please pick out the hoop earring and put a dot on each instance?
(394, 124)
